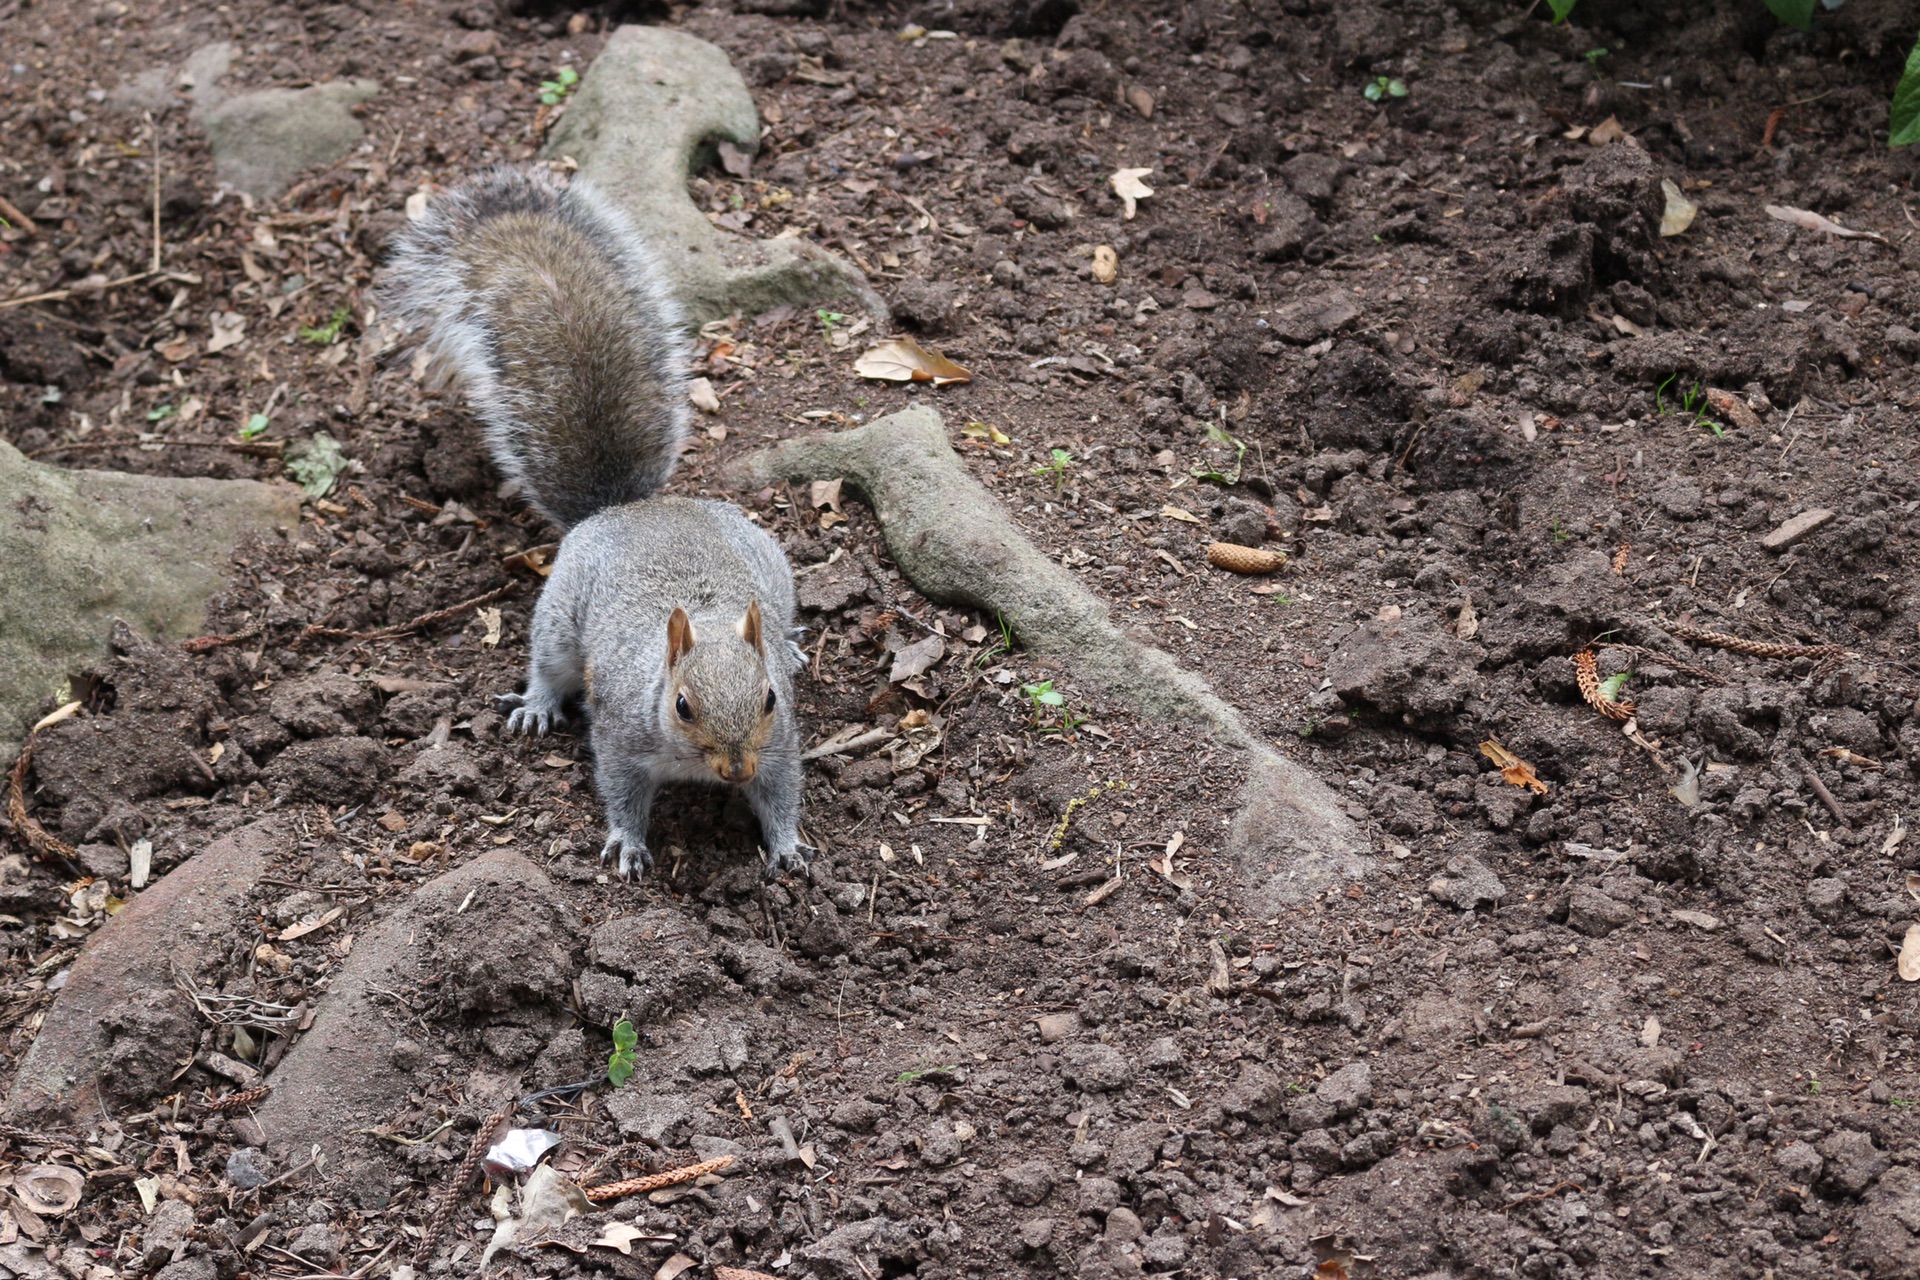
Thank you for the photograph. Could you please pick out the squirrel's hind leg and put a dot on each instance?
(556, 673)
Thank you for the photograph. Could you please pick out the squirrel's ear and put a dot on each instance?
(679, 637)
(750, 628)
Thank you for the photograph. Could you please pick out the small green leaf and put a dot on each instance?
(625, 1038)
(1903, 120)
(160, 413)
(619, 1069)
(329, 333)
(316, 463)
(1372, 92)
(1797, 14)
(1051, 698)
(255, 425)
(1610, 687)
(1561, 10)
(569, 77)
(1397, 88)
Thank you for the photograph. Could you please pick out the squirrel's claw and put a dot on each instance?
(794, 859)
(634, 856)
(533, 720)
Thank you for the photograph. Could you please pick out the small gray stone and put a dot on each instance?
(1055, 1027)
(1036, 1233)
(941, 1146)
(1468, 884)
(652, 1119)
(1348, 1090)
(1098, 1196)
(317, 1243)
(262, 140)
(1800, 1162)
(1593, 913)
(247, 1168)
(1166, 1251)
(189, 1268)
(1164, 1055)
(1679, 499)
(1027, 1183)
(1123, 1226)
(1796, 529)
(167, 1229)
(1098, 1068)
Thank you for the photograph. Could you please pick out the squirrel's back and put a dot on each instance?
(561, 329)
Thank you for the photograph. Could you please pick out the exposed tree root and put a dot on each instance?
(949, 536)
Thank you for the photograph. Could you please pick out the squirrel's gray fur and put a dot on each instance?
(670, 617)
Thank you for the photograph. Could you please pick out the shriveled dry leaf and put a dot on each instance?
(306, 927)
(1894, 837)
(1127, 184)
(492, 620)
(916, 658)
(1910, 955)
(1172, 512)
(1627, 327)
(1106, 264)
(229, 330)
(48, 1189)
(1731, 407)
(825, 493)
(904, 360)
(1467, 625)
(1605, 133)
(1913, 885)
(623, 1235)
(700, 392)
(1515, 770)
(1680, 211)
(1698, 919)
(674, 1266)
(1814, 222)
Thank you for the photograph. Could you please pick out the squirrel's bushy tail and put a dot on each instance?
(559, 325)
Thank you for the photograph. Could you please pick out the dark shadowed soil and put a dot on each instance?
(1644, 1021)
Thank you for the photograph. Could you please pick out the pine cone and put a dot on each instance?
(1238, 559)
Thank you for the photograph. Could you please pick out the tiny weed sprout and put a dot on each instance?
(1660, 393)
(1610, 687)
(828, 320)
(1219, 435)
(1001, 644)
(1381, 88)
(1560, 533)
(621, 1062)
(554, 90)
(161, 412)
(1044, 698)
(329, 333)
(1562, 10)
(256, 424)
(1593, 56)
(1058, 460)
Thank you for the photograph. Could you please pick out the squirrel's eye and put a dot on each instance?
(769, 702)
(682, 708)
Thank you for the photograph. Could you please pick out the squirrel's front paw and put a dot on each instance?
(634, 857)
(533, 719)
(794, 859)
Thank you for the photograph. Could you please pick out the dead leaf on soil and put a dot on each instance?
(1812, 221)
(492, 620)
(1106, 264)
(904, 360)
(700, 393)
(1698, 919)
(916, 658)
(1515, 770)
(1894, 837)
(674, 1266)
(1172, 512)
(1731, 407)
(1909, 964)
(306, 927)
(1913, 885)
(229, 330)
(538, 560)
(48, 1189)
(985, 431)
(825, 493)
(1606, 133)
(1127, 185)
(1680, 211)
(1467, 625)
(623, 1235)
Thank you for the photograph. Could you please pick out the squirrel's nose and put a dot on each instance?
(735, 769)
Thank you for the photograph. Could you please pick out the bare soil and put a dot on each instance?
(1623, 1026)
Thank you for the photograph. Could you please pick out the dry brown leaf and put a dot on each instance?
(674, 1266)
(1127, 185)
(1909, 964)
(1467, 625)
(825, 493)
(1515, 770)
(1680, 211)
(700, 392)
(623, 1235)
(1894, 837)
(1106, 264)
(1812, 221)
(48, 1189)
(1605, 133)
(1172, 512)
(306, 927)
(1913, 885)
(904, 360)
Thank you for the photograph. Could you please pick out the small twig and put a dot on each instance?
(831, 748)
(654, 1181)
(237, 1101)
(17, 218)
(1548, 1194)
(153, 136)
(415, 624)
(1827, 798)
(253, 448)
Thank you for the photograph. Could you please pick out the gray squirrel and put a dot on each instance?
(672, 616)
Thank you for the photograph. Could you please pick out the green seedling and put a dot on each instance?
(329, 333)
(621, 1062)
(1562, 10)
(1813, 1083)
(1593, 56)
(828, 320)
(256, 424)
(1058, 460)
(161, 412)
(1219, 435)
(556, 90)
(1610, 687)
(1560, 533)
(1000, 646)
(316, 463)
(908, 1077)
(1044, 698)
(1381, 88)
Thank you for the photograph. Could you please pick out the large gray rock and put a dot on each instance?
(650, 110)
(81, 548)
(120, 1024)
(262, 140)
